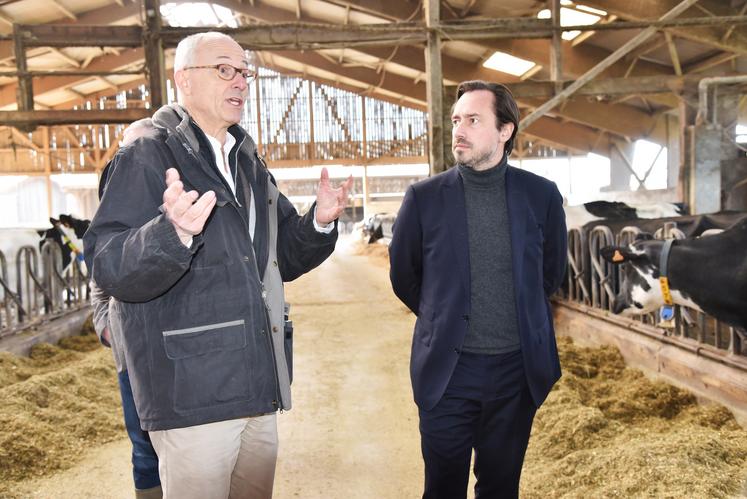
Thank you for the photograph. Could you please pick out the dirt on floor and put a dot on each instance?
(604, 431)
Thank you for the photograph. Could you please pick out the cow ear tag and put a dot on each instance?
(666, 317)
(618, 257)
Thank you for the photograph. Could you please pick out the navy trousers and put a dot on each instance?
(144, 458)
(486, 407)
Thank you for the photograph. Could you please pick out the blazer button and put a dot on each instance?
(456, 351)
(274, 329)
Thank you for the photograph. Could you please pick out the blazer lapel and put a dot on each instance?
(455, 213)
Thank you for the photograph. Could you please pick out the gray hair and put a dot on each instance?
(187, 48)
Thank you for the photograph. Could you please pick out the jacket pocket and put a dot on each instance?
(210, 365)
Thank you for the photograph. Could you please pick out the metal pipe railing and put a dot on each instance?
(594, 282)
(42, 291)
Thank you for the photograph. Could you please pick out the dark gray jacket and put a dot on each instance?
(202, 327)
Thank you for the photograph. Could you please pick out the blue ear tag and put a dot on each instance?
(666, 316)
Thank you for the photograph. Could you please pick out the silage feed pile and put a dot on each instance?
(608, 431)
(376, 252)
(54, 406)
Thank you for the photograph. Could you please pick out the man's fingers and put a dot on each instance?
(346, 186)
(205, 203)
(195, 215)
(171, 176)
(324, 179)
(172, 192)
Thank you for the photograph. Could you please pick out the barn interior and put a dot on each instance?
(641, 102)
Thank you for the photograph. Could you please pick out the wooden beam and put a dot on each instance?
(434, 89)
(59, 53)
(607, 62)
(673, 54)
(75, 117)
(74, 35)
(7, 20)
(709, 62)
(102, 16)
(556, 48)
(644, 10)
(154, 62)
(63, 9)
(128, 57)
(25, 98)
(607, 87)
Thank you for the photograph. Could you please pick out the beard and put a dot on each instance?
(470, 162)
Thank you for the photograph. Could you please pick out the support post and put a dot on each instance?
(434, 88)
(312, 142)
(47, 169)
(556, 50)
(25, 89)
(687, 116)
(154, 63)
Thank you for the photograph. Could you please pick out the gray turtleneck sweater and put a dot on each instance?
(493, 327)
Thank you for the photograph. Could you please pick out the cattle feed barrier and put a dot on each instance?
(699, 353)
(43, 289)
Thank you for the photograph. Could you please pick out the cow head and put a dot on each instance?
(640, 292)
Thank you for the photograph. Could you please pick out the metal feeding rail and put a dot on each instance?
(42, 291)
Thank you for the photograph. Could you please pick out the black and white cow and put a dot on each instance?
(580, 215)
(708, 274)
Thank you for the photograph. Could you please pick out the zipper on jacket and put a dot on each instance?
(236, 162)
(268, 336)
(268, 333)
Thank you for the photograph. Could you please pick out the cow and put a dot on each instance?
(708, 274)
(379, 226)
(580, 215)
(13, 239)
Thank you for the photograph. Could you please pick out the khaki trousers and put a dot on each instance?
(229, 459)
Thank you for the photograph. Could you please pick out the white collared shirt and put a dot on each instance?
(221, 153)
(221, 160)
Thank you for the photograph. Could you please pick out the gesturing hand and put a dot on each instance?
(187, 213)
(330, 201)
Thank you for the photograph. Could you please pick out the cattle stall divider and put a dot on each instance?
(584, 311)
(42, 291)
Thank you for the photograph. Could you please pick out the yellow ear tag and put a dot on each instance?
(618, 257)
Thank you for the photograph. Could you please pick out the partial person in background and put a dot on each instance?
(144, 458)
(476, 253)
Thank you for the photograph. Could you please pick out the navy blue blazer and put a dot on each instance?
(430, 273)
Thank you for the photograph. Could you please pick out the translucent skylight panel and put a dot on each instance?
(197, 14)
(573, 17)
(506, 63)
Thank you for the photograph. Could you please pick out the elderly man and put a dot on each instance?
(476, 252)
(193, 241)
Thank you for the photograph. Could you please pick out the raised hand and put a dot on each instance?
(183, 209)
(330, 201)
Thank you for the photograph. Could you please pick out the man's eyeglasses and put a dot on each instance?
(228, 72)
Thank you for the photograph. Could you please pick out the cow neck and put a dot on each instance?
(663, 271)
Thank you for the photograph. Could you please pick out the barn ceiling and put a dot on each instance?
(628, 101)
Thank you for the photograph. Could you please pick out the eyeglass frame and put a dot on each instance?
(249, 78)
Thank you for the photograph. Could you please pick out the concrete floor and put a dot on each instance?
(352, 432)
